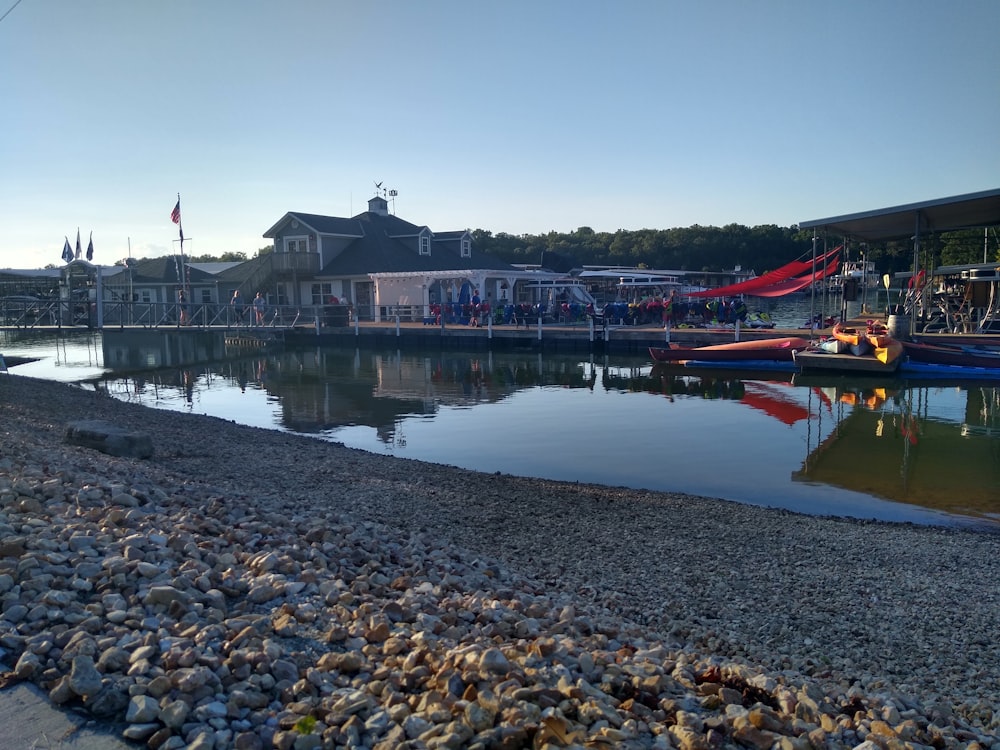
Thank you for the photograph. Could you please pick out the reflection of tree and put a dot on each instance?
(671, 383)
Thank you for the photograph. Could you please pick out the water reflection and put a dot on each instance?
(898, 443)
(892, 450)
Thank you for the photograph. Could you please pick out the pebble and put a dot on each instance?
(250, 611)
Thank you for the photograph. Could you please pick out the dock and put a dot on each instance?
(557, 337)
(810, 361)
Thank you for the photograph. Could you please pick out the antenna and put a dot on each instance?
(392, 196)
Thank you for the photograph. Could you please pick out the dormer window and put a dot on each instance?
(466, 247)
(425, 244)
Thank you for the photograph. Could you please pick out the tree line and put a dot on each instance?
(708, 248)
(705, 248)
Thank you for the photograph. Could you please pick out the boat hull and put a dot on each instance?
(946, 355)
(779, 349)
(956, 373)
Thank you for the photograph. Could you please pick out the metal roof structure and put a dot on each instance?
(969, 211)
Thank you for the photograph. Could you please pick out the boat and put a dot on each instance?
(956, 373)
(759, 320)
(873, 339)
(777, 349)
(855, 338)
(885, 347)
(739, 365)
(939, 354)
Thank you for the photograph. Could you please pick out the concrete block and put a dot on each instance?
(109, 439)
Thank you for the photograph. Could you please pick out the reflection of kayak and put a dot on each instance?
(774, 403)
(779, 349)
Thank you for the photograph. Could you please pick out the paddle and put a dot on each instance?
(885, 282)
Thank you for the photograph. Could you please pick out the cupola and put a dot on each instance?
(378, 205)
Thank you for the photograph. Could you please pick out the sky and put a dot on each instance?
(520, 116)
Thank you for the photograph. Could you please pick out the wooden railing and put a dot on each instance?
(297, 262)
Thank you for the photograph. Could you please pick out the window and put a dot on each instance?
(206, 296)
(466, 247)
(321, 293)
(425, 244)
(296, 245)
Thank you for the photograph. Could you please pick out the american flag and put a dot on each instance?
(175, 215)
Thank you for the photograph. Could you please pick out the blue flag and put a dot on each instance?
(67, 252)
(90, 247)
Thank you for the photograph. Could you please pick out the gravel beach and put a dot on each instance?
(249, 588)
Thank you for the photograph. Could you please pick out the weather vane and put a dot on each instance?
(386, 193)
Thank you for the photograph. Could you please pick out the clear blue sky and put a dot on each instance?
(517, 116)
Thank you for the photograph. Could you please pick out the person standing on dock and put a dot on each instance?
(259, 304)
(182, 307)
(236, 305)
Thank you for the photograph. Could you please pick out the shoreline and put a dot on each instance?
(810, 610)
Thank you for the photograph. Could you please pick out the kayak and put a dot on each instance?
(778, 349)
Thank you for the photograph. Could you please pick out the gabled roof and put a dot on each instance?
(216, 268)
(380, 251)
(333, 225)
(968, 211)
(243, 271)
(456, 235)
(380, 245)
(163, 270)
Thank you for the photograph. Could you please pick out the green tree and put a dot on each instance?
(968, 246)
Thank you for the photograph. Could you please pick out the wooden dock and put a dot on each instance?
(866, 364)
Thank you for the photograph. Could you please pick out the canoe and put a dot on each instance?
(875, 339)
(850, 336)
(951, 373)
(833, 346)
(778, 349)
(949, 355)
(885, 347)
(889, 352)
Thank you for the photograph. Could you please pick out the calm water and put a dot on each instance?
(918, 452)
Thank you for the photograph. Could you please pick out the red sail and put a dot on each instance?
(787, 271)
(794, 285)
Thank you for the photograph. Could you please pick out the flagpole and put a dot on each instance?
(180, 229)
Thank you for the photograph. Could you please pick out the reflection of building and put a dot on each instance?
(144, 349)
(891, 452)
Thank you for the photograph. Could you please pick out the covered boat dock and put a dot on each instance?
(914, 221)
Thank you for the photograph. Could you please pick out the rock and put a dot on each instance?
(142, 709)
(84, 679)
(109, 439)
(493, 660)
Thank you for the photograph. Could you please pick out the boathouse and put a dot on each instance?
(380, 264)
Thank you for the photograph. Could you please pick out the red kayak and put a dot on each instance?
(764, 349)
(950, 355)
